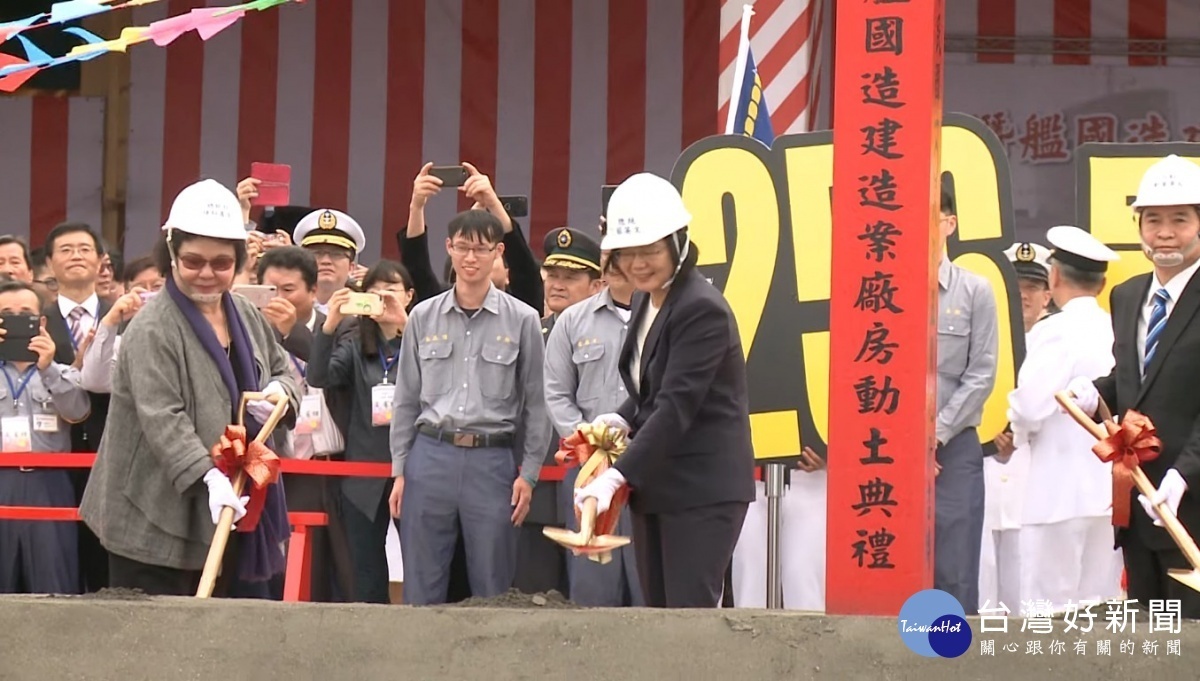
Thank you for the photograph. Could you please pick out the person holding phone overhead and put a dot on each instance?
(365, 364)
(155, 496)
(39, 399)
(690, 462)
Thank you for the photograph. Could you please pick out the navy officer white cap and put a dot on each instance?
(328, 226)
(1075, 247)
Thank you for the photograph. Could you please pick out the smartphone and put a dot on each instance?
(515, 206)
(19, 329)
(363, 304)
(451, 176)
(146, 295)
(606, 192)
(259, 295)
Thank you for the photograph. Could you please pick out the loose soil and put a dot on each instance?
(513, 598)
(118, 594)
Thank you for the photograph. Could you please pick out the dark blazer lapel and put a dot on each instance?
(638, 308)
(1126, 311)
(660, 322)
(56, 326)
(1181, 316)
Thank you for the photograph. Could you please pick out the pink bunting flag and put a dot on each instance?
(209, 24)
(164, 31)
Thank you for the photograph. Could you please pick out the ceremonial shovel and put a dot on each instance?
(1178, 533)
(216, 552)
(585, 542)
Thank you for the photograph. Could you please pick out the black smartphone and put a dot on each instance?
(19, 329)
(606, 193)
(515, 206)
(451, 176)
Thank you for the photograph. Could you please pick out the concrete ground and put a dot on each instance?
(61, 639)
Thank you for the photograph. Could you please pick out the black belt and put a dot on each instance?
(460, 439)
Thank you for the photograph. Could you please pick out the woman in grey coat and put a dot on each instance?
(154, 496)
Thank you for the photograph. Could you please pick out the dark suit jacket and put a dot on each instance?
(85, 437)
(299, 341)
(691, 419)
(1167, 396)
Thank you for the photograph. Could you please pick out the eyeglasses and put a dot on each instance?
(331, 252)
(221, 263)
(51, 284)
(478, 251)
(644, 253)
(82, 249)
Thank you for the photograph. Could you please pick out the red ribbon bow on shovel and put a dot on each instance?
(1127, 446)
(261, 465)
(577, 450)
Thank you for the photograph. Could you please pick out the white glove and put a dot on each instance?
(1169, 491)
(261, 409)
(603, 488)
(612, 420)
(220, 495)
(1084, 395)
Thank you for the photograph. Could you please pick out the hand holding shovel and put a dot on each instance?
(1126, 445)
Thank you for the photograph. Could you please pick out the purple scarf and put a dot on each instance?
(259, 555)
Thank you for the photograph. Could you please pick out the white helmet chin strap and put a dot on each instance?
(682, 251)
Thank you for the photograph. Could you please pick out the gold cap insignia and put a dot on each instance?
(327, 220)
(1025, 253)
(564, 239)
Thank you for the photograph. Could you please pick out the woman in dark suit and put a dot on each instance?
(690, 463)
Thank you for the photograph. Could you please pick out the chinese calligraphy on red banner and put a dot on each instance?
(887, 104)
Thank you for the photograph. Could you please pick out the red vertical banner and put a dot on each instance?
(883, 303)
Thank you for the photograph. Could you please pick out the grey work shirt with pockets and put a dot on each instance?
(967, 343)
(54, 391)
(477, 374)
(582, 380)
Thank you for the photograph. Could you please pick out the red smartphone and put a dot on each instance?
(275, 189)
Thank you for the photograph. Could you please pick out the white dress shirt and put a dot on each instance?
(1174, 289)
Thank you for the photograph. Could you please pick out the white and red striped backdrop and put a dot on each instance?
(1070, 19)
(52, 151)
(551, 97)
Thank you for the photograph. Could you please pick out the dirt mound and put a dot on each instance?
(515, 599)
(118, 594)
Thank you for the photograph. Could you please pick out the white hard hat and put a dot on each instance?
(207, 208)
(1173, 181)
(643, 209)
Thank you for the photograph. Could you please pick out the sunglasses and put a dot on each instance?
(221, 263)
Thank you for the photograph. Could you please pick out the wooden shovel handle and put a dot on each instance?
(587, 520)
(1176, 529)
(216, 552)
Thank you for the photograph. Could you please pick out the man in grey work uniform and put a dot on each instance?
(966, 351)
(468, 391)
(582, 382)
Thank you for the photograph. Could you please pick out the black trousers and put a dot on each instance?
(1146, 572)
(157, 580)
(367, 539)
(541, 563)
(93, 559)
(683, 556)
(331, 577)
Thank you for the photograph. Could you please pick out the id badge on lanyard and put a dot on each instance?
(311, 409)
(14, 430)
(384, 394)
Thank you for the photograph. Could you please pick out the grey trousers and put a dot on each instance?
(444, 486)
(958, 519)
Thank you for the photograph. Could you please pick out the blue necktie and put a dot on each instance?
(1158, 321)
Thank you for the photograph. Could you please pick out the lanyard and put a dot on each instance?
(17, 391)
(387, 363)
(303, 370)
